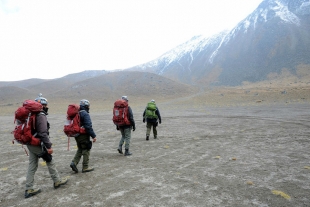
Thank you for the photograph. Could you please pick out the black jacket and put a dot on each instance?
(86, 121)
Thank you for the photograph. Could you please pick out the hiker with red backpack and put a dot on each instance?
(44, 150)
(82, 139)
(123, 119)
(151, 115)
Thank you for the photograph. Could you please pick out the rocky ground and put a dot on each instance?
(252, 153)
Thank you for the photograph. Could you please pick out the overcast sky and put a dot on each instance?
(50, 39)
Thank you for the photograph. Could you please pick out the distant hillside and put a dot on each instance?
(52, 85)
(135, 85)
(23, 83)
(11, 95)
(101, 90)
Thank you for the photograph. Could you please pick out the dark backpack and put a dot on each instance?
(72, 127)
(25, 117)
(120, 113)
(150, 111)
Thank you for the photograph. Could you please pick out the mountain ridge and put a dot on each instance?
(271, 38)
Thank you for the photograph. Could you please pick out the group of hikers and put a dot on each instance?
(40, 146)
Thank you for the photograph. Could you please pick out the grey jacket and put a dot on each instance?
(41, 129)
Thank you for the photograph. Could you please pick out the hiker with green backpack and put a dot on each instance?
(151, 115)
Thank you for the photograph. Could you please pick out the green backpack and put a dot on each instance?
(150, 111)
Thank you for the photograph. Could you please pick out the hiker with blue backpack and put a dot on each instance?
(152, 116)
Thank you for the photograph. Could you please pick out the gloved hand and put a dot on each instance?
(144, 120)
(133, 128)
(50, 151)
(159, 121)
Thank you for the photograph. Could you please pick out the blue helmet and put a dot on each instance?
(41, 99)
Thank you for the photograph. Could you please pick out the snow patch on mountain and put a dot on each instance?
(197, 43)
(224, 39)
(261, 14)
(283, 12)
(280, 10)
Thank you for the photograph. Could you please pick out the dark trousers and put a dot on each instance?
(81, 142)
(149, 126)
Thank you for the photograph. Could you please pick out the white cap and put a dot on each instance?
(125, 98)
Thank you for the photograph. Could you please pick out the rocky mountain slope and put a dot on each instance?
(274, 37)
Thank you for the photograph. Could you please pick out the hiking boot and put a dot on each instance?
(127, 153)
(120, 150)
(89, 169)
(74, 168)
(32, 192)
(155, 137)
(63, 181)
(147, 137)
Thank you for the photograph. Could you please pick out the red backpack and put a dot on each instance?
(72, 127)
(120, 113)
(25, 117)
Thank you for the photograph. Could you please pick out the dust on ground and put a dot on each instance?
(254, 155)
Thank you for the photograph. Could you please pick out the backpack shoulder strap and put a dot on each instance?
(39, 114)
(33, 120)
(79, 117)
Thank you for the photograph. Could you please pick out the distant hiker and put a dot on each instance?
(83, 141)
(151, 115)
(124, 121)
(44, 151)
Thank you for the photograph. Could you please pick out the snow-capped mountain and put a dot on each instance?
(275, 36)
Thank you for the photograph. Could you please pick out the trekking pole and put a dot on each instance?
(25, 150)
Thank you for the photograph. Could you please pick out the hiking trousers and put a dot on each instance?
(126, 135)
(81, 142)
(149, 126)
(33, 166)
